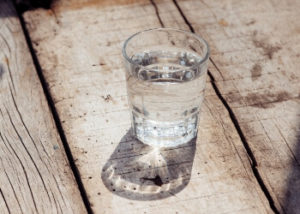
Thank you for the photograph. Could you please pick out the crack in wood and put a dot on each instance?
(27, 131)
(12, 187)
(157, 13)
(59, 190)
(31, 158)
(24, 171)
(7, 207)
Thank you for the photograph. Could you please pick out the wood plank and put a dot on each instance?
(255, 46)
(79, 48)
(35, 176)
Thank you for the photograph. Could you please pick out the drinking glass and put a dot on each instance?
(166, 73)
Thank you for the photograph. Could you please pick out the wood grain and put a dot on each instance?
(35, 176)
(255, 47)
(79, 50)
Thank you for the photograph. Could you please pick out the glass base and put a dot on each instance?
(165, 134)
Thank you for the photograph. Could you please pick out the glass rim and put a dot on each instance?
(205, 58)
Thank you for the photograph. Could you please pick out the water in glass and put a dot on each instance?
(165, 93)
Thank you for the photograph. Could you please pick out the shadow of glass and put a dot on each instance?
(292, 196)
(140, 172)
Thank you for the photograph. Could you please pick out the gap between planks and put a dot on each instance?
(55, 115)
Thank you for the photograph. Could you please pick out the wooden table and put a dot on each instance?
(65, 145)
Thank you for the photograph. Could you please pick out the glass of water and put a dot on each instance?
(165, 75)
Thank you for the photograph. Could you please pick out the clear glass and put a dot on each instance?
(165, 75)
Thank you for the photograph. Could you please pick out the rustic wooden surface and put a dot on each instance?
(35, 176)
(78, 46)
(255, 46)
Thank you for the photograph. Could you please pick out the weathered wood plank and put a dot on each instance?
(35, 176)
(79, 47)
(255, 46)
